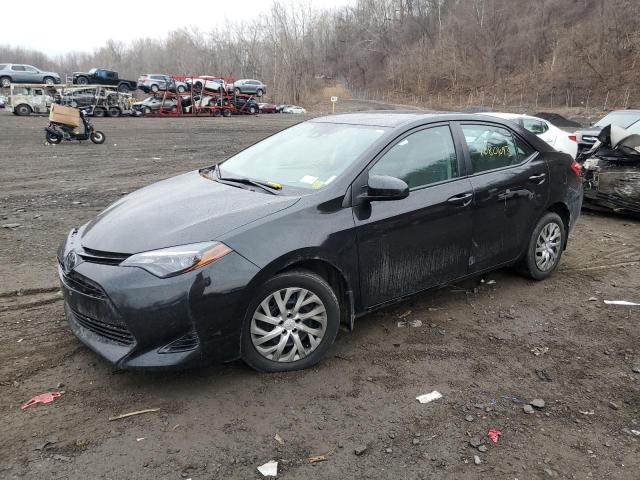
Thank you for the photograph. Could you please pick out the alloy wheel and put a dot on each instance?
(288, 325)
(548, 245)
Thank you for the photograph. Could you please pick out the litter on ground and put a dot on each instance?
(429, 397)
(269, 469)
(42, 398)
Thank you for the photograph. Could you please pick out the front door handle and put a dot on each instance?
(463, 199)
(539, 179)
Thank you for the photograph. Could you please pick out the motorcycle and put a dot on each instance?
(56, 132)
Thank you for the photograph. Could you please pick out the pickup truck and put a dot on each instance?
(99, 76)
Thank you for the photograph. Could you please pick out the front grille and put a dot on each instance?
(183, 344)
(103, 258)
(116, 333)
(83, 285)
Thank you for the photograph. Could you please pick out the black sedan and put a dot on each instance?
(263, 256)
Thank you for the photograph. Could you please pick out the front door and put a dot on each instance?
(510, 184)
(421, 241)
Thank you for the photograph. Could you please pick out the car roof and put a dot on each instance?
(400, 118)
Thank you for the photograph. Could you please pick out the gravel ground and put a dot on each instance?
(473, 342)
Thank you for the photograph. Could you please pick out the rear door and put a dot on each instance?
(18, 74)
(408, 245)
(510, 185)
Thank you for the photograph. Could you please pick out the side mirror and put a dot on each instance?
(384, 187)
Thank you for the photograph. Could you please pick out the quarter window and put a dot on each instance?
(422, 158)
(493, 147)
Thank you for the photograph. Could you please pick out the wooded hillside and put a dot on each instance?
(458, 51)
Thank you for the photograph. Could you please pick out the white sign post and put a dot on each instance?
(334, 100)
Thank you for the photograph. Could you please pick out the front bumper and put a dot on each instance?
(136, 320)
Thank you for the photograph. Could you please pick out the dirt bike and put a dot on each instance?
(57, 132)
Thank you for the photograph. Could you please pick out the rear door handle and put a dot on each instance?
(463, 199)
(539, 179)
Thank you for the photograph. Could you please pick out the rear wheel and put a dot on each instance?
(48, 81)
(82, 81)
(54, 139)
(226, 112)
(545, 247)
(154, 88)
(181, 89)
(23, 110)
(252, 110)
(99, 112)
(291, 322)
(5, 82)
(114, 112)
(259, 92)
(217, 112)
(97, 137)
(236, 91)
(123, 88)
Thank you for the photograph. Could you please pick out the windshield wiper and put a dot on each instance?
(272, 189)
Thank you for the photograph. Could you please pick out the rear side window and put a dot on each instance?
(422, 158)
(17, 68)
(493, 147)
(3, 66)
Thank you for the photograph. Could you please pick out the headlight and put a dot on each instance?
(171, 261)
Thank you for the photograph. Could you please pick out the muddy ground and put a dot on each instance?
(474, 345)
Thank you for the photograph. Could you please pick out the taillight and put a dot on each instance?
(573, 137)
(576, 168)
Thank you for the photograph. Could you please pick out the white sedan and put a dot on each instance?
(559, 139)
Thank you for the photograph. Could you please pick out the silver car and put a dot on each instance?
(155, 82)
(20, 73)
(249, 86)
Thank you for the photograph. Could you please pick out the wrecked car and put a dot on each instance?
(611, 170)
(27, 99)
(587, 137)
(265, 254)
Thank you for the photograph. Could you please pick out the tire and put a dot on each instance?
(48, 81)
(155, 88)
(147, 110)
(216, 112)
(539, 265)
(226, 112)
(53, 139)
(236, 91)
(252, 110)
(181, 89)
(123, 88)
(23, 110)
(5, 82)
(259, 92)
(113, 112)
(97, 137)
(82, 81)
(99, 112)
(326, 322)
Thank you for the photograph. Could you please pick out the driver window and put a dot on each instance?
(422, 158)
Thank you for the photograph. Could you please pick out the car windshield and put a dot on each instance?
(622, 119)
(309, 155)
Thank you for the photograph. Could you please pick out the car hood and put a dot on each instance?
(185, 209)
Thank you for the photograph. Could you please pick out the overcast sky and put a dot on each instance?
(55, 27)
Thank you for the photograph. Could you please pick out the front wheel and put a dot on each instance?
(99, 112)
(23, 110)
(259, 92)
(114, 112)
(53, 139)
(48, 81)
(82, 81)
(124, 88)
(291, 322)
(5, 82)
(226, 112)
(97, 137)
(545, 247)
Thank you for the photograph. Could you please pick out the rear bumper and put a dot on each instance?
(136, 320)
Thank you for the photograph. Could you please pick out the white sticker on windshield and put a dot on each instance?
(308, 179)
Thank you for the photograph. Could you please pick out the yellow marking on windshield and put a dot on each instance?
(275, 185)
